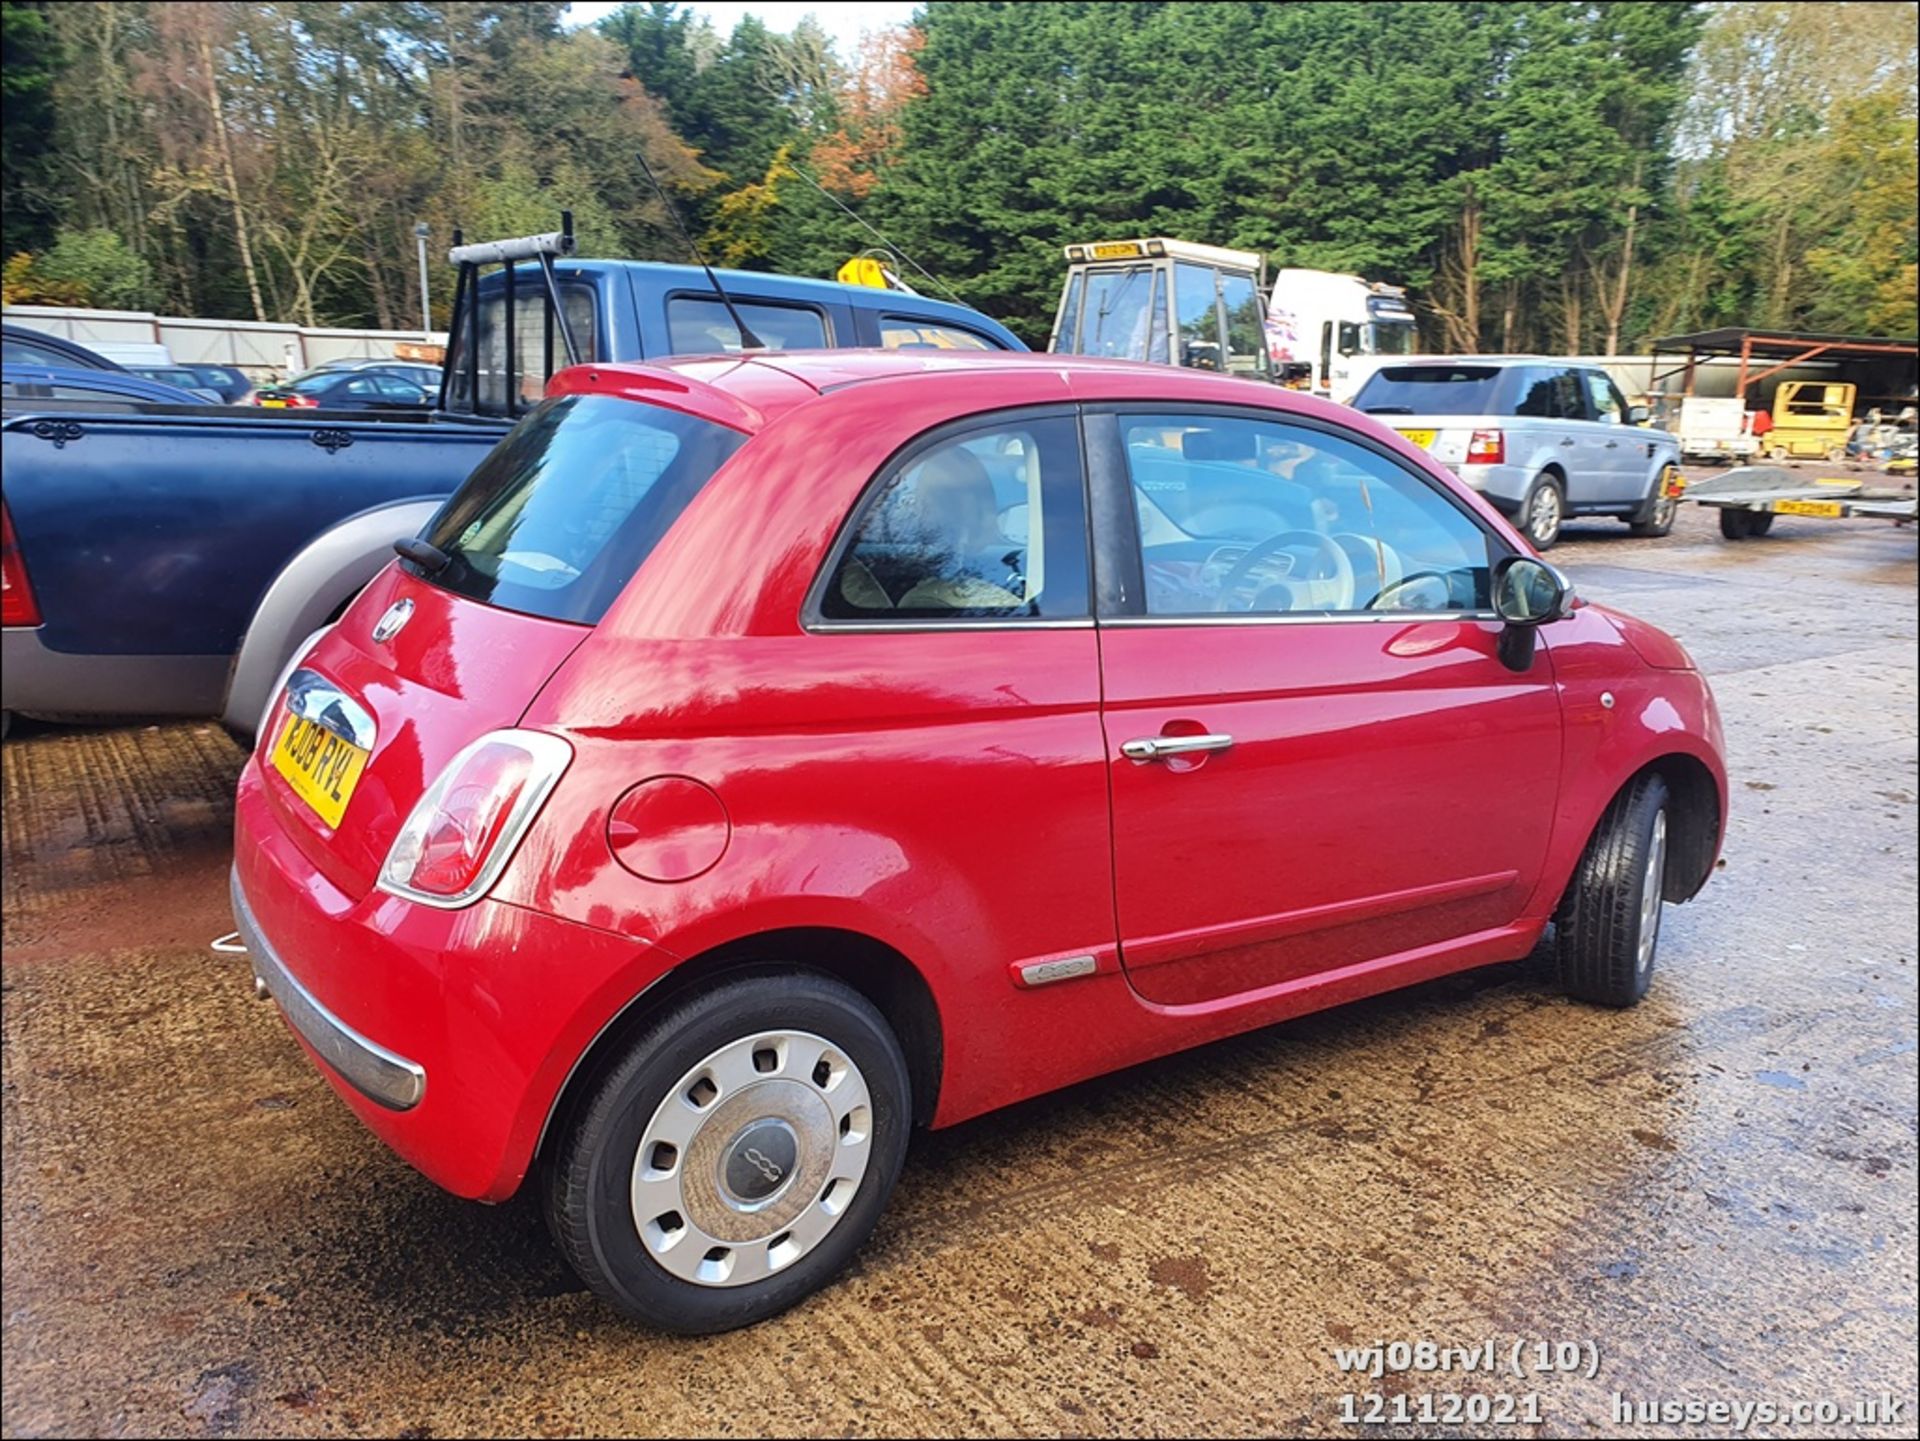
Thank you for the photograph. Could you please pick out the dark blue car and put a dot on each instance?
(41, 386)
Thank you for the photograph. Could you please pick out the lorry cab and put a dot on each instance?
(1325, 330)
(1168, 301)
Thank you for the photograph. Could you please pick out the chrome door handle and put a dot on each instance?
(1613, 445)
(1566, 440)
(1155, 748)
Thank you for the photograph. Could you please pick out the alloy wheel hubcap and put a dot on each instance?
(1650, 883)
(752, 1158)
(1546, 513)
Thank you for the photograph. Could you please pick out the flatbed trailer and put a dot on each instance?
(1749, 497)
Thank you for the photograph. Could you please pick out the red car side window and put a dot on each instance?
(1256, 517)
(981, 524)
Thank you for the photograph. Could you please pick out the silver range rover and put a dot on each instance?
(1542, 439)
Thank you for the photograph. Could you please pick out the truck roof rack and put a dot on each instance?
(526, 247)
(465, 324)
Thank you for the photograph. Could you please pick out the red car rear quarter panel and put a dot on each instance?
(960, 817)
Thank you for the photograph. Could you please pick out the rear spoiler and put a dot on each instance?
(466, 294)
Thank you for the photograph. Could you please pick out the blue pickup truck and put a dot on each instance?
(169, 561)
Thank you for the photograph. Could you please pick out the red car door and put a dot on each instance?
(1318, 760)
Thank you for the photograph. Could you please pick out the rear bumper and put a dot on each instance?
(1504, 486)
(449, 1033)
(36, 678)
(370, 1068)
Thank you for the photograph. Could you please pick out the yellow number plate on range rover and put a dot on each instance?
(1421, 438)
(322, 768)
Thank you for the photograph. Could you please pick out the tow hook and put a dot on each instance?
(231, 945)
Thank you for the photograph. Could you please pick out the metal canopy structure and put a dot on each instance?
(1783, 348)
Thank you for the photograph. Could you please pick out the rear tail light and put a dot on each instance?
(1487, 447)
(463, 831)
(307, 401)
(17, 605)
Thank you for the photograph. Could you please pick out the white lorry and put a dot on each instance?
(1179, 303)
(1328, 332)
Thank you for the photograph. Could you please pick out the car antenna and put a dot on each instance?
(857, 220)
(748, 340)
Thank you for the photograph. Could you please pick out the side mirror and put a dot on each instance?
(1638, 415)
(1527, 593)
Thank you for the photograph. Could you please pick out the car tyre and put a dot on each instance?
(1609, 920)
(1657, 520)
(1545, 510)
(610, 1166)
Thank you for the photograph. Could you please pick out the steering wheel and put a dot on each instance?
(1414, 592)
(1311, 557)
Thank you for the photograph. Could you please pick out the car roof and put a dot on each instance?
(112, 382)
(1495, 361)
(83, 358)
(748, 392)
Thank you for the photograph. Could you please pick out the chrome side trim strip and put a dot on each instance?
(382, 1076)
(873, 627)
(313, 697)
(1139, 622)
(1386, 617)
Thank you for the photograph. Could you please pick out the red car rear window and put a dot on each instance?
(561, 513)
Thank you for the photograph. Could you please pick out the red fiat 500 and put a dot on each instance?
(758, 757)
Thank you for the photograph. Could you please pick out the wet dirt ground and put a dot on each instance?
(1715, 1190)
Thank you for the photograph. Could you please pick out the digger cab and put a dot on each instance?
(1168, 301)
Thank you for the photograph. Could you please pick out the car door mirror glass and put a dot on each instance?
(1639, 415)
(1530, 592)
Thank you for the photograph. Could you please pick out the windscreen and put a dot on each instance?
(1116, 317)
(1430, 390)
(1390, 337)
(561, 513)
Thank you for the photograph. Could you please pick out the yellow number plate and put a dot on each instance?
(1116, 250)
(281, 404)
(322, 768)
(1421, 438)
(1808, 507)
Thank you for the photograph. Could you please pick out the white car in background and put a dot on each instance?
(1542, 439)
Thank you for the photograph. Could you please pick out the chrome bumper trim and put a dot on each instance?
(369, 1067)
